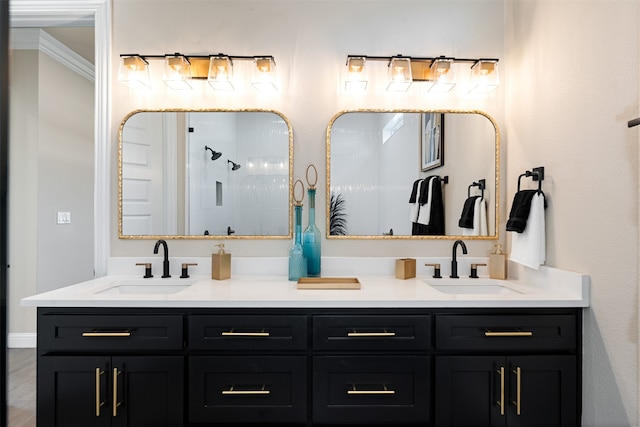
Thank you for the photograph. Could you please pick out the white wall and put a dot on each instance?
(65, 176)
(23, 190)
(572, 84)
(51, 170)
(309, 40)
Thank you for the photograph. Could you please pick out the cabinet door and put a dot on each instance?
(73, 391)
(247, 390)
(148, 391)
(516, 391)
(78, 391)
(372, 390)
(543, 391)
(470, 391)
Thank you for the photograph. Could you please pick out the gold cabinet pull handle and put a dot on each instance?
(106, 334)
(231, 333)
(98, 387)
(501, 401)
(115, 392)
(518, 373)
(371, 334)
(231, 391)
(370, 392)
(508, 334)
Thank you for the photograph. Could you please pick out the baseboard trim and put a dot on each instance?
(21, 340)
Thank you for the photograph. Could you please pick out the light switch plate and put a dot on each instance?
(64, 217)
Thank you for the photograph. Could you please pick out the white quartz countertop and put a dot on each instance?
(547, 288)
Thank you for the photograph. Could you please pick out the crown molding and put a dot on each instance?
(38, 39)
(53, 13)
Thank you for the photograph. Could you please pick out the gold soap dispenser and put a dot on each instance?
(498, 264)
(220, 264)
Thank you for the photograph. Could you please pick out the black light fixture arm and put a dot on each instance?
(194, 56)
(429, 59)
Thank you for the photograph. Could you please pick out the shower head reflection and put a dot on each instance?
(234, 165)
(215, 155)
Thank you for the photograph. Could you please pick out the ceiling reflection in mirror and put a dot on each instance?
(412, 174)
(205, 174)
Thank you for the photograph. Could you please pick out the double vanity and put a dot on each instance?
(256, 350)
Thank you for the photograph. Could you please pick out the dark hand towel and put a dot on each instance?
(424, 190)
(414, 191)
(520, 210)
(436, 223)
(466, 218)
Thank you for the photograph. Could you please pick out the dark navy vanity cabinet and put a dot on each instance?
(192, 367)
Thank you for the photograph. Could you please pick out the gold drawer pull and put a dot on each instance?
(231, 333)
(371, 334)
(99, 402)
(370, 392)
(501, 401)
(106, 334)
(116, 404)
(231, 391)
(508, 334)
(518, 373)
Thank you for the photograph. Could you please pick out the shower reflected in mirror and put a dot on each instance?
(215, 155)
(234, 165)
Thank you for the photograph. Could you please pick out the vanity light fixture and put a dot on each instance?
(443, 74)
(400, 78)
(264, 74)
(177, 72)
(180, 70)
(484, 76)
(220, 73)
(437, 74)
(356, 79)
(134, 72)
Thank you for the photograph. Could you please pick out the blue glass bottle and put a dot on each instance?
(311, 239)
(297, 261)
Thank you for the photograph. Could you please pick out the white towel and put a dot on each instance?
(528, 247)
(415, 207)
(424, 215)
(479, 219)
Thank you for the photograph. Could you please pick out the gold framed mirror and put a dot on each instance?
(377, 159)
(199, 174)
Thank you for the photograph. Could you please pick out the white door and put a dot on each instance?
(142, 175)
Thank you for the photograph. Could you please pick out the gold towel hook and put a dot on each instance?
(298, 202)
(312, 186)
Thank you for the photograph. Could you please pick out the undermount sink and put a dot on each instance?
(147, 286)
(480, 286)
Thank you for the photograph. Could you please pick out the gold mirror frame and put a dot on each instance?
(206, 237)
(496, 204)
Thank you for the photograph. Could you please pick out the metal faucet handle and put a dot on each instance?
(185, 269)
(474, 270)
(436, 270)
(147, 269)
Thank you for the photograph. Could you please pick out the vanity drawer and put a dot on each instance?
(383, 332)
(506, 332)
(209, 332)
(247, 389)
(110, 332)
(371, 389)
